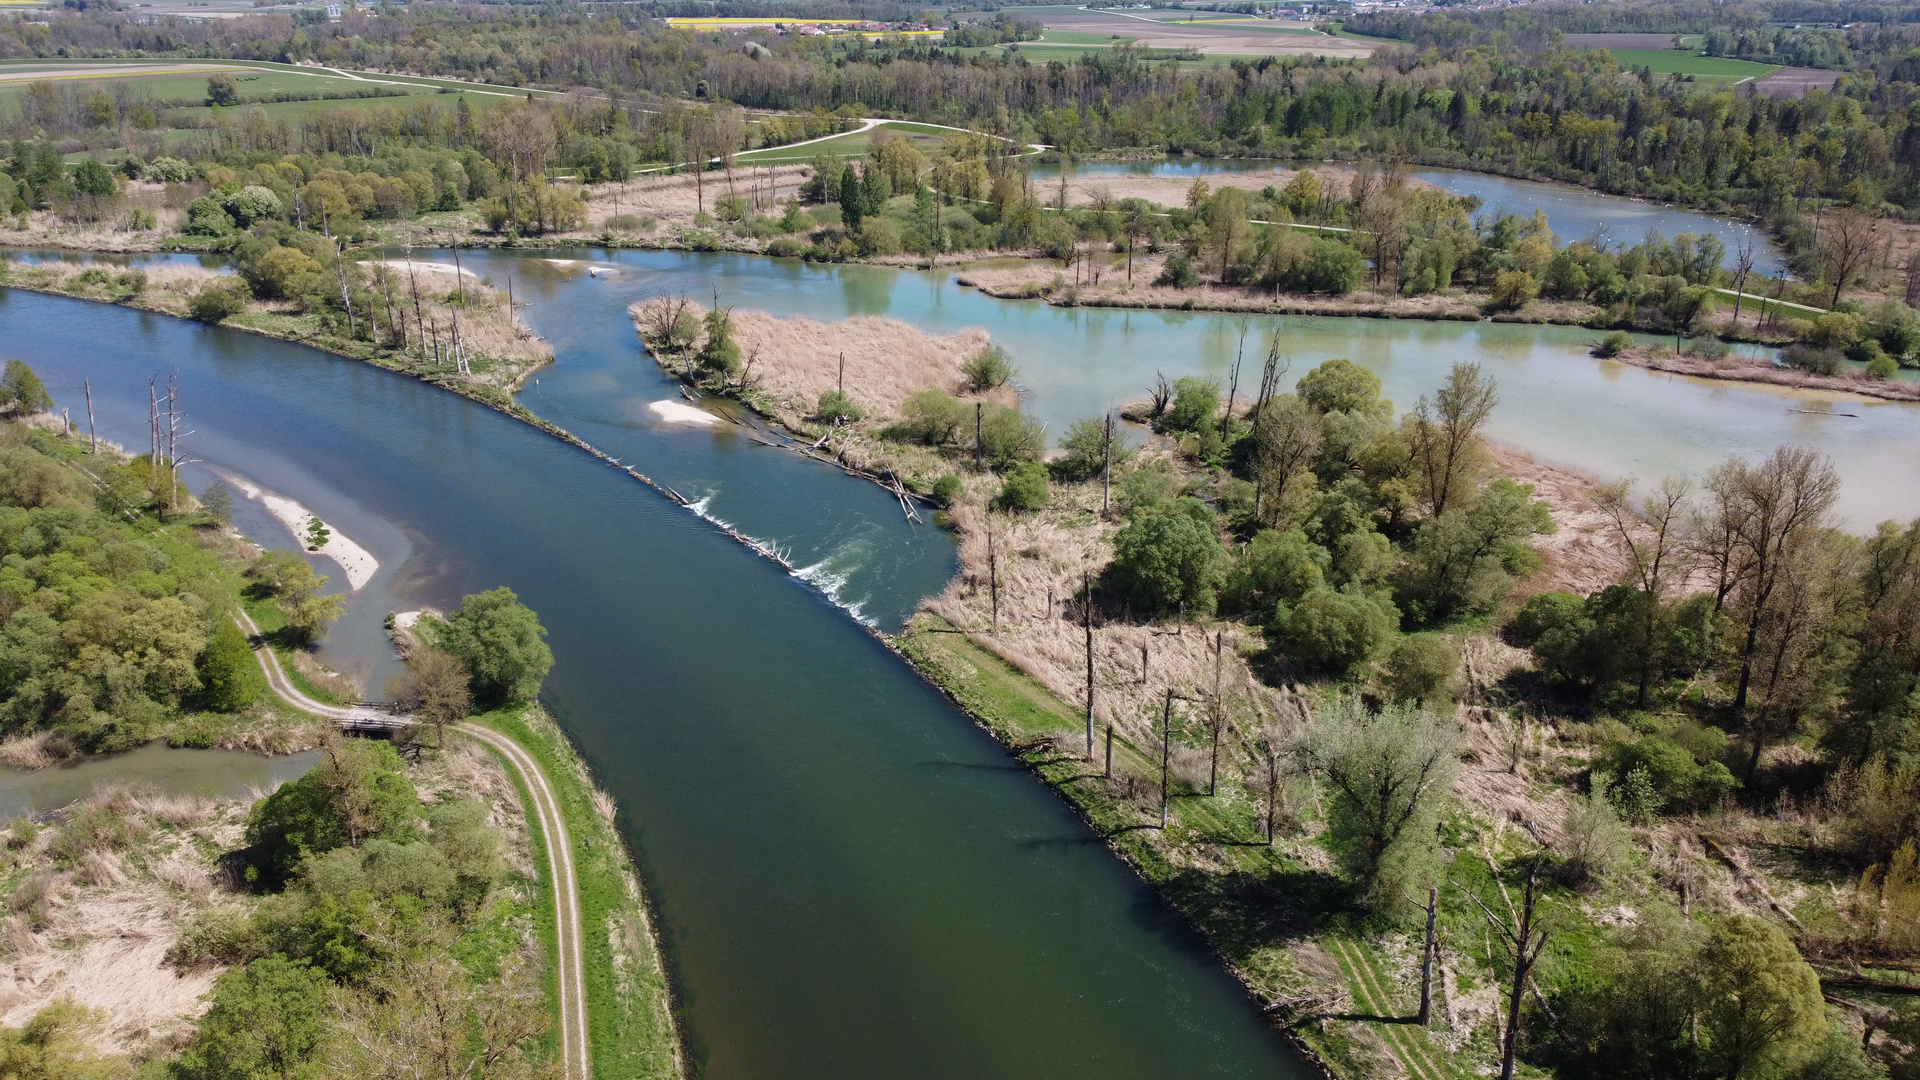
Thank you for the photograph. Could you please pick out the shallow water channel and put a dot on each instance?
(223, 774)
(852, 880)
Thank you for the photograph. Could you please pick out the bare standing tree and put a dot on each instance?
(1654, 538)
(1849, 245)
(1760, 520)
(1742, 266)
(1524, 936)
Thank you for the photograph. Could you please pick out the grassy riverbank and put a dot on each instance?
(632, 1028)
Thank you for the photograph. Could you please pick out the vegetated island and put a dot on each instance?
(423, 318)
(350, 916)
(1803, 369)
(1339, 655)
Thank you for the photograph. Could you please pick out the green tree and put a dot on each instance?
(359, 792)
(1466, 559)
(1421, 668)
(1166, 556)
(1274, 568)
(502, 644)
(267, 1022)
(218, 503)
(1085, 446)
(852, 206)
(229, 675)
(1760, 1003)
(435, 690)
(22, 389)
(1007, 438)
(1390, 772)
(95, 180)
(1514, 289)
(720, 354)
(222, 89)
(1335, 630)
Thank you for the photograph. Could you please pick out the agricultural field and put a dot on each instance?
(1701, 68)
(925, 137)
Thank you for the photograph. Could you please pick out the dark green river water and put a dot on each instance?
(852, 880)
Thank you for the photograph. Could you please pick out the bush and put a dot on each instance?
(1169, 555)
(1514, 289)
(1007, 438)
(1421, 668)
(1178, 272)
(1085, 444)
(1679, 778)
(1195, 400)
(1275, 568)
(1334, 631)
(1613, 344)
(988, 369)
(218, 300)
(836, 407)
(1819, 361)
(1596, 839)
(1883, 367)
(1026, 488)
(933, 417)
(946, 489)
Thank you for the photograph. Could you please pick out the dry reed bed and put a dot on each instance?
(1736, 369)
(675, 200)
(1048, 555)
(99, 929)
(790, 362)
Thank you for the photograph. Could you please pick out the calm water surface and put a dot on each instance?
(1576, 213)
(852, 879)
(226, 774)
(1557, 402)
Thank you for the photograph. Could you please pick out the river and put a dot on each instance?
(852, 879)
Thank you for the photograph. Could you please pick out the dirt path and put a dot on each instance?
(566, 897)
(277, 678)
(571, 981)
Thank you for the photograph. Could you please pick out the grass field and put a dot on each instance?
(1074, 37)
(925, 137)
(1708, 68)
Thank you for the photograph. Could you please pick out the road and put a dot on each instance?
(571, 981)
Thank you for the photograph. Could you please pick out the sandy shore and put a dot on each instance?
(357, 562)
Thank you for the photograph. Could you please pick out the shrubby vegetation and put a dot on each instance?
(118, 621)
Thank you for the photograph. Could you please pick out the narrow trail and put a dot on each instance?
(566, 897)
(571, 974)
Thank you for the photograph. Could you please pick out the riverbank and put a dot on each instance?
(1757, 372)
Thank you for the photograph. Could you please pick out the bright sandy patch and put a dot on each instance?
(675, 412)
(358, 562)
(401, 265)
